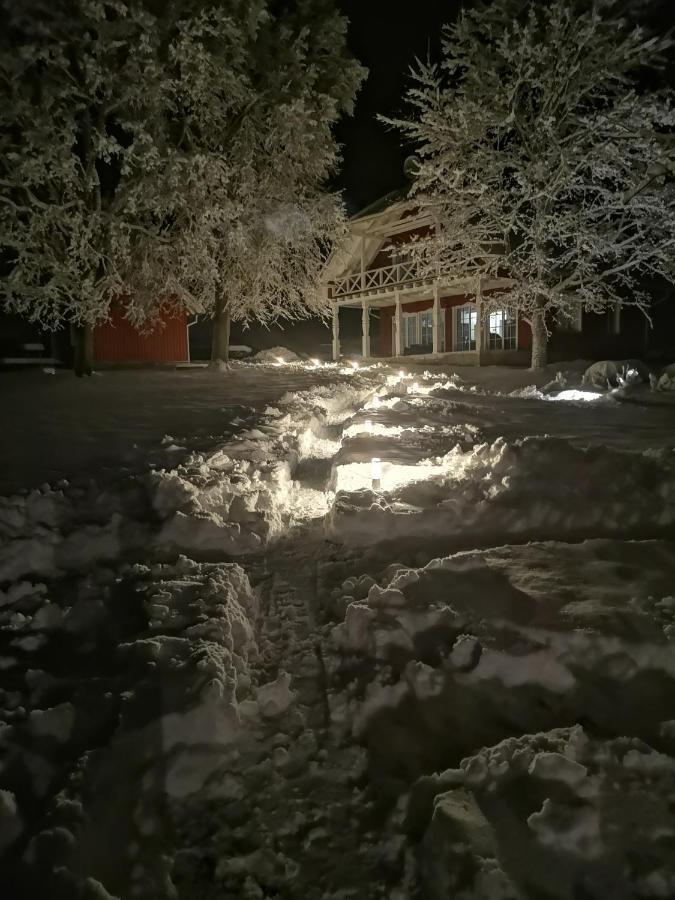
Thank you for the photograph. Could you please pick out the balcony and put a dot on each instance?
(374, 282)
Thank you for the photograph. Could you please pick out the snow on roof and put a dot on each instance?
(368, 224)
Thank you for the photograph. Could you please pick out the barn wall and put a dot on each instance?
(117, 341)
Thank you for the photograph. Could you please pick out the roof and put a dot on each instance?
(381, 203)
(368, 225)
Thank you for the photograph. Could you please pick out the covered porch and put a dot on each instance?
(429, 318)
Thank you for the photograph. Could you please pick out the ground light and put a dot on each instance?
(369, 426)
(354, 365)
(376, 473)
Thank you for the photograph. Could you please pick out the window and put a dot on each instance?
(418, 331)
(501, 330)
(427, 327)
(466, 318)
(409, 329)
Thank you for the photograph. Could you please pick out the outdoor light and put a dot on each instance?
(414, 388)
(376, 472)
(375, 402)
(354, 365)
(280, 361)
(369, 426)
(315, 363)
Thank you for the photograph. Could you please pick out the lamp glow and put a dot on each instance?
(369, 426)
(376, 473)
(354, 365)
(315, 363)
(280, 361)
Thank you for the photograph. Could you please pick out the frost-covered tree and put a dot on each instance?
(257, 93)
(82, 130)
(544, 159)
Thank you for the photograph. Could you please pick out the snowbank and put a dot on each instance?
(475, 648)
(276, 356)
(537, 487)
(240, 497)
(558, 810)
(179, 719)
(612, 373)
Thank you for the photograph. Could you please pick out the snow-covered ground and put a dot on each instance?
(332, 632)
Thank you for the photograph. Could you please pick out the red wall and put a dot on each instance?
(118, 341)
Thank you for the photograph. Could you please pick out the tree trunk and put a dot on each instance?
(83, 346)
(539, 339)
(220, 341)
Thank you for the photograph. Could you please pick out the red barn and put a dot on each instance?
(117, 341)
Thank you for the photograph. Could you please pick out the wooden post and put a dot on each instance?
(436, 330)
(336, 330)
(363, 263)
(365, 329)
(479, 319)
(398, 318)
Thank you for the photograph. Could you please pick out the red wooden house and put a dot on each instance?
(418, 315)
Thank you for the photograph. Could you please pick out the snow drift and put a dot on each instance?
(536, 487)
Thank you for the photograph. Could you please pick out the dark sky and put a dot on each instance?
(387, 35)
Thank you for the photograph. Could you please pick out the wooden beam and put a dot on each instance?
(365, 330)
(479, 318)
(336, 331)
(437, 320)
(398, 327)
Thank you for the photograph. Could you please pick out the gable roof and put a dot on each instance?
(367, 225)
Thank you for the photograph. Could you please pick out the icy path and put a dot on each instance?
(313, 710)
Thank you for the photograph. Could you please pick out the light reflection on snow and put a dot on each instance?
(573, 395)
(359, 476)
(373, 428)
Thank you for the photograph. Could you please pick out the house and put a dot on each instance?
(405, 313)
(418, 315)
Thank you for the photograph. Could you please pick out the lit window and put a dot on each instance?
(409, 329)
(466, 318)
(501, 330)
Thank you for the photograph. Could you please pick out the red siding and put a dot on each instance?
(118, 341)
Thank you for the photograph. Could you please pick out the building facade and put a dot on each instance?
(406, 314)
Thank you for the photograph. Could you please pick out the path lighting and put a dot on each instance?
(376, 473)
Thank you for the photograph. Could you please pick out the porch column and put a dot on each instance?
(479, 318)
(363, 263)
(398, 319)
(336, 331)
(365, 329)
(438, 322)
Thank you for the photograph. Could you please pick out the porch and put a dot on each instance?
(427, 317)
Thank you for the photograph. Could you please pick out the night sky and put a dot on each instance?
(386, 37)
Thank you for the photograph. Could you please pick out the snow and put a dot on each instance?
(245, 661)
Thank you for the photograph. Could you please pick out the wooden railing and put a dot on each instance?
(376, 280)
